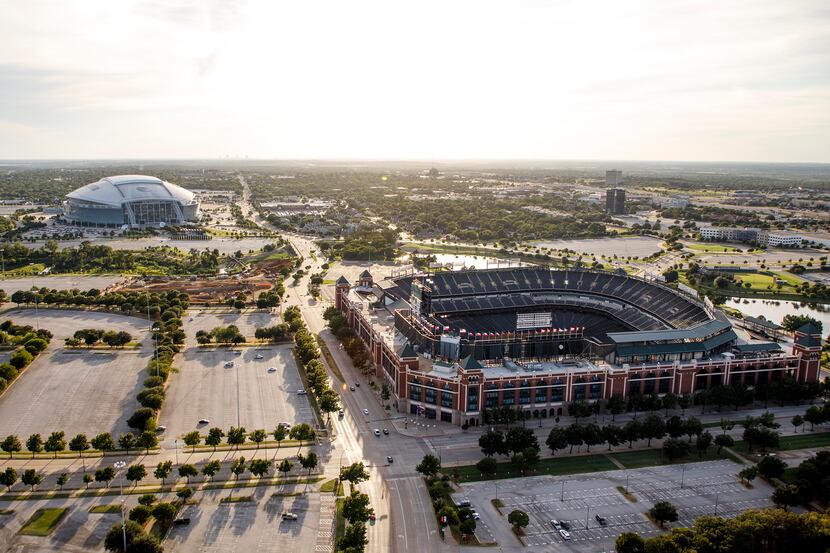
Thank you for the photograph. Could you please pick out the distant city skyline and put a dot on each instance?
(565, 80)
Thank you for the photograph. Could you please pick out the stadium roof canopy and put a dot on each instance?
(115, 191)
(698, 332)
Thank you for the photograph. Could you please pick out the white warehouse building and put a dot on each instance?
(134, 200)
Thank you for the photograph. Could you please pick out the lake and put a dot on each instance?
(774, 310)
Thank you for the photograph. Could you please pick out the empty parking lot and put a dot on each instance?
(245, 394)
(695, 489)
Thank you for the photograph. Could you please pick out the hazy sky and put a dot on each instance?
(395, 79)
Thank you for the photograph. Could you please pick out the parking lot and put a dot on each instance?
(246, 394)
(247, 322)
(63, 323)
(250, 526)
(707, 488)
(74, 391)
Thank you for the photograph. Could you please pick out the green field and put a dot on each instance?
(106, 509)
(654, 457)
(43, 522)
(712, 248)
(799, 441)
(237, 499)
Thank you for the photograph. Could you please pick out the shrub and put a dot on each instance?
(141, 513)
(142, 419)
(20, 359)
(153, 381)
(8, 372)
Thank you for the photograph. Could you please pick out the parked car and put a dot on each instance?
(237, 352)
(357, 384)
(285, 425)
(204, 421)
(556, 524)
(161, 429)
(602, 520)
(463, 503)
(565, 524)
(565, 534)
(385, 431)
(389, 459)
(341, 413)
(365, 411)
(372, 517)
(258, 356)
(289, 516)
(302, 393)
(475, 515)
(351, 388)
(377, 432)
(229, 364)
(272, 369)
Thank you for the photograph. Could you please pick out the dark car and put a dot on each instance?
(386, 431)
(565, 524)
(389, 459)
(181, 521)
(602, 521)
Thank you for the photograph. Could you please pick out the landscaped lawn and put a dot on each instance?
(654, 457)
(805, 440)
(106, 509)
(43, 522)
(711, 248)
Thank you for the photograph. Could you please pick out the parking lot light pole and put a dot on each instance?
(587, 514)
(118, 465)
(626, 483)
(562, 492)
(716, 503)
(682, 476)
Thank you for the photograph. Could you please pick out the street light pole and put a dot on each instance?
(118, 466)
(176, 444)
(562, 492)
(682, 476)
(716, 503)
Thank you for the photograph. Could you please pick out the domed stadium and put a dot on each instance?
(133, 200)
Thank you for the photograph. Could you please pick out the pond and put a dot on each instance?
(774, 310)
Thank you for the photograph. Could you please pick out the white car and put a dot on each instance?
(476, 516)
(565, 534)
(229, 365)
(258, 356)
(556, 524)
(377, 432)
(272, 369)
(365, 411)
(302, 393)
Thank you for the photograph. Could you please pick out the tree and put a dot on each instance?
(615, 405)
(188, 470)
(329, 401)
(147, 439)
(79, 443)
(675, 427)
(88, 480)
(34, 444)
(629, 542)
(591, 435)
(211, 468)
(11, 445)
(771, 467)
(573, 434)
(260, 467)
(185, 493)
(214, 437)
(468, 526)
(613, 435)
(285, 467)
(165, 513)
(675, 449)
(126, 441)
(192, 439)
(557, 439)
(519, 439)
(354, 473)
(163, 470)
(653, 428)
(279, 434)
(138, 541)
(140, 514)
(136, 473)
(748, 474)
(633, 431)
(354, 539)
(356, 507)
(105, 474)
(62, 479)
(663, 512)
(147, 499)
(487, 466)
(142, 418)
(797, 421)
(258, 436)
(786, 495)
(238, 467)
(103, 442)
(429, 465)
(518, 519)
(8, 477)
(308, 462)
(236, 436)
(704, 440)
(723, 440)
(491, 442)
(55, 443)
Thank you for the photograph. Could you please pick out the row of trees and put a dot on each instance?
(29, 343)
(352, 344)
(56, 443)
(309, 354)
(92, 336)
(238, 435)
(767, 530)
(356, 510)
(438, 486)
